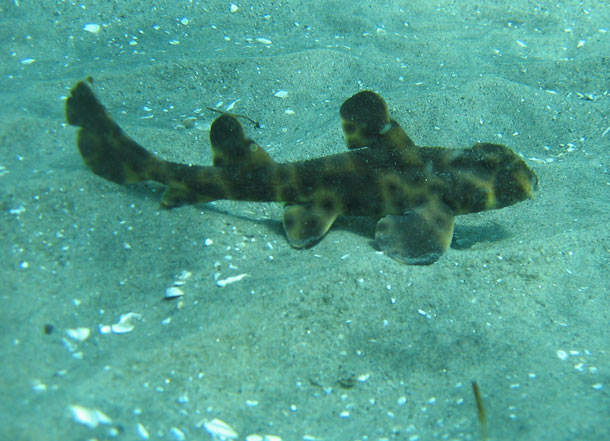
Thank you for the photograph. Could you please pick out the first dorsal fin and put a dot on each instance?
(231, 147)
(363, 117)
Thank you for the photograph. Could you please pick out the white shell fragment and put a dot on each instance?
(142, 431)
(125, 325)
(177, 434)
(263, 40)
(183, 276)
(281, 94)
(38, 386)
(257, 437)
(94, 28)
(561, 354)
(219, 429)
(72, 348)
(233, 7)
(180, 279)
(78, 334)
(172, 292)
(231, 105)
(89, 417)
(224, 282)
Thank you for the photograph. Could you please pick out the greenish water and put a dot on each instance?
(337, 342)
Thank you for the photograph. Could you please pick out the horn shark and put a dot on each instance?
(416, 192)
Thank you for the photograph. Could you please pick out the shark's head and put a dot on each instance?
(490, 176)
(512, 180)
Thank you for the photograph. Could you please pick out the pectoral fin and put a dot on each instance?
(176, 196)
(305, 225)
(418, 237)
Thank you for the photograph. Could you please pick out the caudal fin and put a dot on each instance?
(106, 150)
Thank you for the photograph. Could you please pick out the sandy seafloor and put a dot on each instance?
(338, 342)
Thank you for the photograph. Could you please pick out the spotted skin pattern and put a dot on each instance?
(415, 192)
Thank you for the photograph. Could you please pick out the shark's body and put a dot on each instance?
(416, 191)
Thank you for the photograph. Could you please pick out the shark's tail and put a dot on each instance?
(242, 170)
(106, 150)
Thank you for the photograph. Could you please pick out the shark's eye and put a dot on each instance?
(392, 188)
(327, 204)
(349, 127)
(419, 200)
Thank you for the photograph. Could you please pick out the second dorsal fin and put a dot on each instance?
(366, 123)
(231, 147)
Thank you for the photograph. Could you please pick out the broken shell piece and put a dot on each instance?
(219, 429)
(89, 417)
(177, 434)
(142, 431)
(257, 437)
(38, 386)
(78, 334)
(94, 28)
(183, 275)
(189, 123)
(232, 105)
(124, 325)
(172, 292)
(224, 282)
